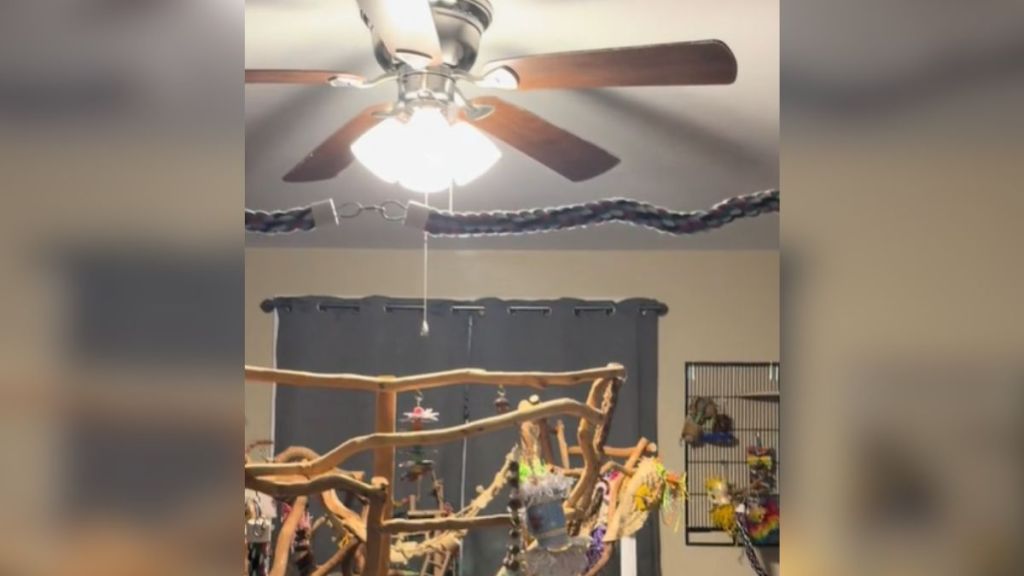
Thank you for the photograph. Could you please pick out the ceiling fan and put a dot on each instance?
(427, 47)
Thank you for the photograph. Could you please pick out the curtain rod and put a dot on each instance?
(270, 305)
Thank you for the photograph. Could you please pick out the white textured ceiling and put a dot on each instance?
(681, 147)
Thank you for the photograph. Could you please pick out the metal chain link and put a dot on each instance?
(303, 218)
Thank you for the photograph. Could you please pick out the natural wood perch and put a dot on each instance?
(448, 523)
(614, 518)
(612, 452)
(563, 446)
(378, 543)
(284, 538)
(580, 495)
(349, 448)
(448, 539)
(374, 539)
(538, 380)
(348, 519)
(341, 517)
(288, 486)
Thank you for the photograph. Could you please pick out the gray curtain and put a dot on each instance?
(378, 335)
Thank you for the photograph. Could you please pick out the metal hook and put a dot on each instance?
(390, 210)
(419, 397)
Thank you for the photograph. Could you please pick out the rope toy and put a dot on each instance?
(303, 218)
(748, 546)
(501, 223)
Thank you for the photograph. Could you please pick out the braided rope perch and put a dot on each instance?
(303, 218)
(500, 223)
(505, 223)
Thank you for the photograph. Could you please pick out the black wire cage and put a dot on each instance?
(748, 392)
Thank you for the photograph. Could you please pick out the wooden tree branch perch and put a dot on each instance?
(344, 551)
(300, 453)
(348, 519)
(538, 380)
(378, 543)
(606, 555)
(563, 446)
(447, 523)
(367, 539)
(285, 536)
(613, 452)
(608, 402)
(286, 486)
(343, 520)
(580, 495)
(450, 538)
(347, 449)
(618, 485)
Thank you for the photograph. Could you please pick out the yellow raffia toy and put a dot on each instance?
(723, 515)
(651, 488)
(672, 500)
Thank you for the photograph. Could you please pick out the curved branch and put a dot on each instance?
(287, 486)
(378, 543)
(300, 453)
(606, 555)
(341, 516)
(349, 520)
(615, 452)
(537, 380)
(579, 497)
(286, 535)
(449, 539)
(345, 553)
(446, 523)
(347, 449)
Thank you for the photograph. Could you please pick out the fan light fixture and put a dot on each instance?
(426, 153)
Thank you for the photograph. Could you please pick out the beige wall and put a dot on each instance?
(722, 306)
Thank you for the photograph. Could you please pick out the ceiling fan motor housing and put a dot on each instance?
(460, 24)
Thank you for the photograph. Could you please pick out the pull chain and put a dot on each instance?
(425, 326)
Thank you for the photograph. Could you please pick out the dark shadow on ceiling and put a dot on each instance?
(636, 116)
(264, 133)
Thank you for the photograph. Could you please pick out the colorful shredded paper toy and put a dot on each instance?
(419, 415)
(418, 464)
(762, 522)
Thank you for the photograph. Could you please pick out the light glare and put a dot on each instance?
(426, 154)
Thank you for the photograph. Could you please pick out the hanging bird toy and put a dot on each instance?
(501, 403)
(418, 464)
(706, 423)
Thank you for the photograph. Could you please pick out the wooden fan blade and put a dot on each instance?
(559, 150)
(677, 64)
(335, 153)
(407, 29)
(298, 77)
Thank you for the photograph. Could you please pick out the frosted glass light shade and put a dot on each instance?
(426, 166)
(426, 153)
(379, 149)
(472, 153)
